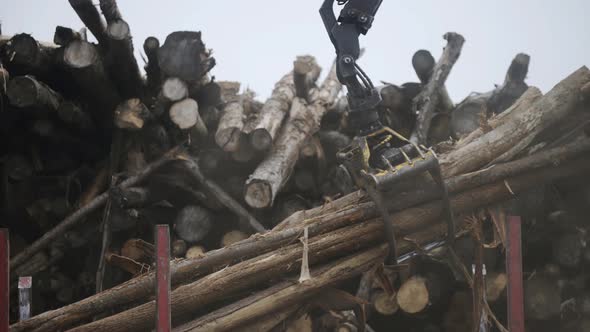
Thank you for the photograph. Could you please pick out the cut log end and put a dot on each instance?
(22, 91)
(258, 194)
(118, 30)
(80, 54)
(185, 113)
(413, 296)
(174, 89)
(193, 223)
(423, 63)
(179, 248)
(384, 304)
(261, 139)
(151, 45)
(195, 252)
(232, 237)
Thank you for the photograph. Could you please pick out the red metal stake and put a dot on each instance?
(514, 268)
(4, 279)
(163, 279)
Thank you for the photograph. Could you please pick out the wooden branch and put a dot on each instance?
(426, 102)
(79, 216)
(305, 73)
(91, 18)
(272, 113)
(26, 91)
(123, 65)
(304, 121)
(284, 294)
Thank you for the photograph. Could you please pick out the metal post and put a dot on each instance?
(514, 269)
(25, 297)
(163, 279)
(4, 279)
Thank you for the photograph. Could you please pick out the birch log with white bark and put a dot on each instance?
(304, 121)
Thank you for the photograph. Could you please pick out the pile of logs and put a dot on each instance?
(266, 233)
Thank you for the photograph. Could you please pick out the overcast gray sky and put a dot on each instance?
(256, 41)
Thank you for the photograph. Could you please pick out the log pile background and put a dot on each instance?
(95, 153)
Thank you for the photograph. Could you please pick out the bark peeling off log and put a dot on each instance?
(426, 102)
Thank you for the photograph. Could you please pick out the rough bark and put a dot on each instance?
(272, 114)
(284, 294)
(110, 10)
(304, 121)
(426, 102)
(90, 16)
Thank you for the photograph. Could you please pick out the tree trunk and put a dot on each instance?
(426, 102)
(152, 68)
(304, 121)
(230, 127)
